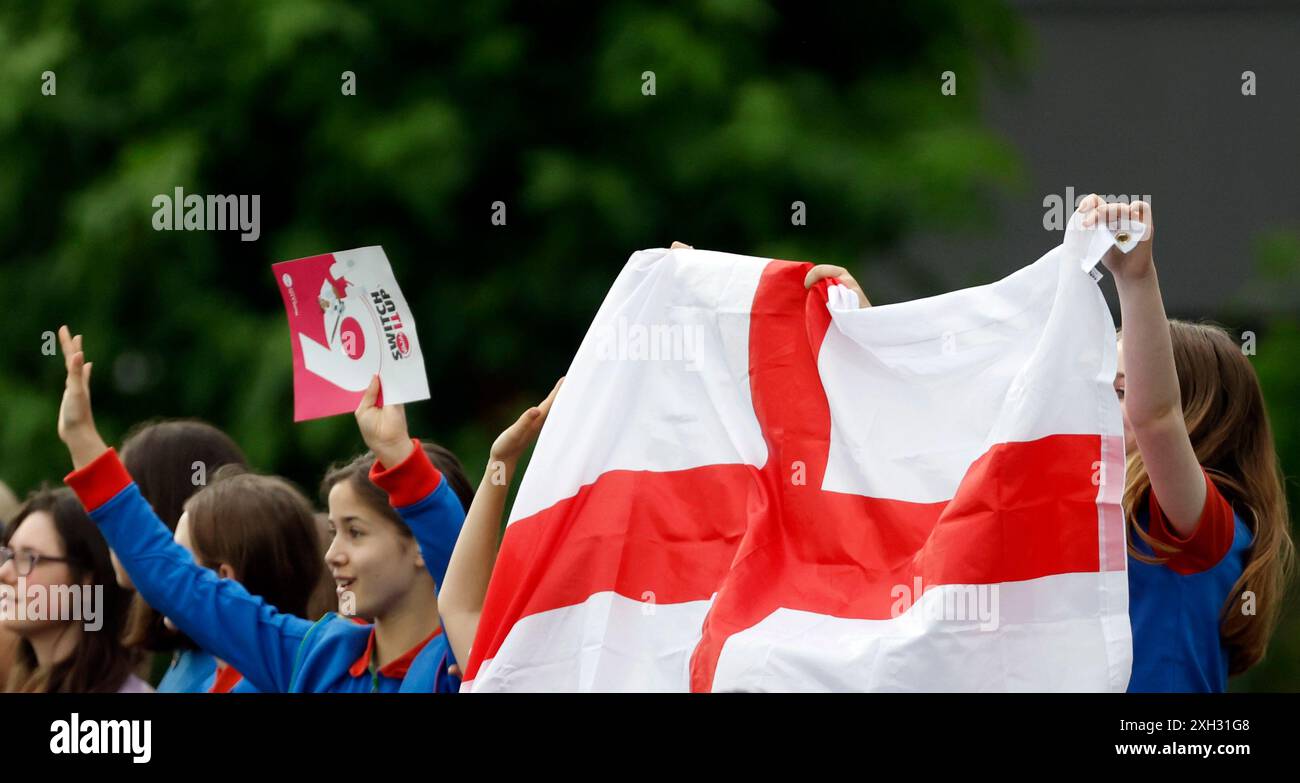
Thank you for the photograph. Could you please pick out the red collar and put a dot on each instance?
(394, 669)
(227, 678)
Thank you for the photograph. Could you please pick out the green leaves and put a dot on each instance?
(457, 106)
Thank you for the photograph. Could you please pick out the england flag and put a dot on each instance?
(748, 486)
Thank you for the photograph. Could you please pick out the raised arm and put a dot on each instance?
(417, 491)
(461, 600)
(1152, 401)
(219, 614)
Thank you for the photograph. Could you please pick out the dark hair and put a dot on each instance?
(357, 474)
(265, 529)
(324, 600)
(100, 663)
(160, 456)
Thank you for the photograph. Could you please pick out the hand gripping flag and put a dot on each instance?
(744, 485)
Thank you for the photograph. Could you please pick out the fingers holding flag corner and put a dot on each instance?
(1120, 217)
(837, 274)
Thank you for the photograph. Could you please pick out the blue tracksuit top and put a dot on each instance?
(1176, 607)
(191, 671)
(277, 652)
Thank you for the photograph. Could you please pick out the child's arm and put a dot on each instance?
(219, 614)
(461, 601)
(416, 489)
(1152, 400)
(427, 504)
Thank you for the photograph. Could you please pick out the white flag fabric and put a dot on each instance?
(744, 485)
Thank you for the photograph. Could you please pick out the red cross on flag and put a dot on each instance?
(745, 485)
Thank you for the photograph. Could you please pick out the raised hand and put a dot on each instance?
(1137, 262)
(517, 437)
(460, 602)
(76, 421)
(383, 428)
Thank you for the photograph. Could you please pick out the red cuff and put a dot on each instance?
(100, 481)
(1211, 540)
(409, 482)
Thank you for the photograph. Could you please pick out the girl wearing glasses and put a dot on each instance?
(51, 549)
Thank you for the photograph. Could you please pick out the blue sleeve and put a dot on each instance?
(220, 615)
(428, 672)
(448, 683)
(435, 522)
(191, 671)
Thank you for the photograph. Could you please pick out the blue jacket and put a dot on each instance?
(1175, 607)
(191, 671)
(278, 652)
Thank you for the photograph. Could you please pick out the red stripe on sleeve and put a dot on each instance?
(409, 482)
(1208, 544)
(100, 481)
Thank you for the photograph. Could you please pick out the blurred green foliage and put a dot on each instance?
(1273, 289)
(456, 106)
(540, 106)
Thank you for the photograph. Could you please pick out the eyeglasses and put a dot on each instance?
(25, 560)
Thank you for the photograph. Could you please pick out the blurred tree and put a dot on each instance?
(1272, 289)
(457, 106)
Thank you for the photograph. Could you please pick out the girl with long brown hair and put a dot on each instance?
(50, 551)
(1210, 547)
(261, 532)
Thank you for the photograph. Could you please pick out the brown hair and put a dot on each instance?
(1227, 422)
(100, 663)
(324, 600)
(357, 474)
(161, 458)
(265, 529)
